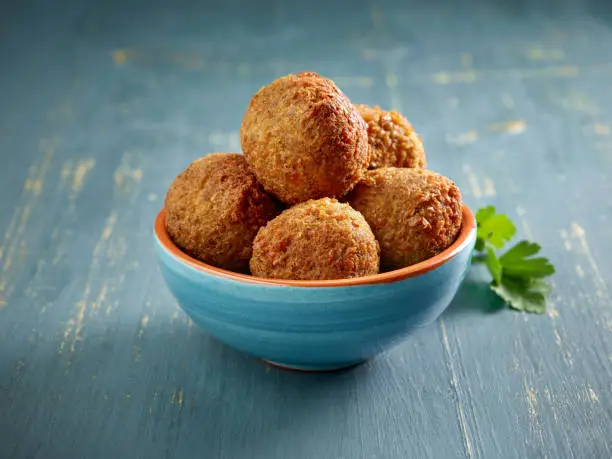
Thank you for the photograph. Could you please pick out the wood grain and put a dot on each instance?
(107, 101)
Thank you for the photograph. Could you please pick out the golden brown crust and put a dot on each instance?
(214, 209)
(316, 240)
(304, 139)
(414, 213)
(392, 139)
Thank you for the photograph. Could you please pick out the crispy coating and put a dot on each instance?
(414, 213)
(304, 139)
(214, 209)
(316, 240)
(392, 138)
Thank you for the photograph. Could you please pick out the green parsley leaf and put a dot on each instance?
(523, 294)
(521, 250)
(517, 274)
(493, 228)
(484, 213)
(515, 262)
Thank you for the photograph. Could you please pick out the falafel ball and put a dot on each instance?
(393, 141)
(414, 213)
(316, 240)
(304, 139)
(214, 209)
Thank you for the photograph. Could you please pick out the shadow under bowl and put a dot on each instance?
(314, 325)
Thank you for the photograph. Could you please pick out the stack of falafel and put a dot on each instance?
(324, 190)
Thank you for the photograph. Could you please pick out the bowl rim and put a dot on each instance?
(466, 233)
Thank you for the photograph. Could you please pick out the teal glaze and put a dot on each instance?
(313, 328)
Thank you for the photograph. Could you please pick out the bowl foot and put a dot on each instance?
(314, 368)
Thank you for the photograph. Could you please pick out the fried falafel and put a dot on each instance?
(393, 140)
(214, 209)
(414, 213)
(304, 139)
(316, 240)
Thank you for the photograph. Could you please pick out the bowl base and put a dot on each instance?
(314, 368)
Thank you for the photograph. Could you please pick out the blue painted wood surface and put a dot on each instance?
(103, 103)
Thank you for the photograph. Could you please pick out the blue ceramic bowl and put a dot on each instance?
(314, 325)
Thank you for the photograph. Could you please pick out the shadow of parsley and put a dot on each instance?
(475, 295)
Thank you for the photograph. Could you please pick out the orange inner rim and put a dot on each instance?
(467, 228)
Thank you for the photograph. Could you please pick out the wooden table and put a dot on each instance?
(103, 103)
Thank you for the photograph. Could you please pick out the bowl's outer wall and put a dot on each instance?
(307, 325)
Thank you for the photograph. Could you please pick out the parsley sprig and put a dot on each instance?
(518, 276)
